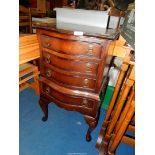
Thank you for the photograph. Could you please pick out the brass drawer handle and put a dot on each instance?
(47, 44)
(48, 73)
(90, 50)
(88, 66)
(47, 59)
(47, 90)
(85, 82)
(85, 103)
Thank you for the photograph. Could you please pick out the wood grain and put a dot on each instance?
(28, 48)
(72, 71)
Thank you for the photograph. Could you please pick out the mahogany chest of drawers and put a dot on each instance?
(71, 71)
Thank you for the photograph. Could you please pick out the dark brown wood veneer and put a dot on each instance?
(72, 71)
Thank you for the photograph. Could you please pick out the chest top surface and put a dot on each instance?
(79, 30)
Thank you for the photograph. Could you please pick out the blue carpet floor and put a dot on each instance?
(63, 133)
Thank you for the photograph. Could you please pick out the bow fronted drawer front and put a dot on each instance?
(71, 47)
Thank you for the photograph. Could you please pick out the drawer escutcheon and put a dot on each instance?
(47, 90)
(85, 82)
(90, 50)
(85, 103)
(48, 73)
(47, 59)
(88, 66)
(47, 44)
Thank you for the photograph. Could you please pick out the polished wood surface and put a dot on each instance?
(71, 70)
(28, 51)
(125, 111)
(71, 47)
(67, 91)
(87, 58)
(118, 48)
(69, 102)
(120, 114)
(68, 30)
(112, 102)
(74, 81)
(28, 48)
(25, 69)
(87, 67)
(122, 129)
(25, 18)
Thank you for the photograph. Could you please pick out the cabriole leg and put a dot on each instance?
(43, 102)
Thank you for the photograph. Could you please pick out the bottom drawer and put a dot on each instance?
(81, 104)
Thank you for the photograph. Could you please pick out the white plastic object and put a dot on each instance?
(93, 18)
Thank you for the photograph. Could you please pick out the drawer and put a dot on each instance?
(69, 80)
(71, 47)
(70, 65)
(67, 99)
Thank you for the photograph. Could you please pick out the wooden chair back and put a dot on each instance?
(112, 131)
(25, 18)
(28, 71)
(117, 13)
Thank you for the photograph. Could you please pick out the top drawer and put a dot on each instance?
(71, 47)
